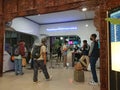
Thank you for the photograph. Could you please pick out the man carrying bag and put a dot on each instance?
(40, 61)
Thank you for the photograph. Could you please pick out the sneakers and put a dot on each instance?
(93, 83)
(19, 73)
(50, 78)
(65, 67)
(16, 74)
(22, 73)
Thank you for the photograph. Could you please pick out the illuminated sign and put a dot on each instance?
(62, 29)
(70, 42)
(115, 40)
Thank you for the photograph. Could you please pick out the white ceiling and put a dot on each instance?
(59, 17)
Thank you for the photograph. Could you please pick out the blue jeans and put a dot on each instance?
(18, 66)
(93, 61)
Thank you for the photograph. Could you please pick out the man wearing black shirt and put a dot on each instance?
(94, 54)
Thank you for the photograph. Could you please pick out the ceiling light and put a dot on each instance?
(61, 29)
(67, 39)
(86, 25)
(61, 38)
(84, 9)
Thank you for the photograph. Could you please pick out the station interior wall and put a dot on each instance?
(24, 25)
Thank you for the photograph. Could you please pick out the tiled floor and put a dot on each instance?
(62, 80)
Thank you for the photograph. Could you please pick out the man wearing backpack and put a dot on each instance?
(40, 61)
(94, 54)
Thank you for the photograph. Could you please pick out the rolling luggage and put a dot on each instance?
(79, 76)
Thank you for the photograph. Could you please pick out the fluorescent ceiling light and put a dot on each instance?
(84, 9)
(61, 29)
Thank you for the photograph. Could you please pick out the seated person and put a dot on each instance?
(85, 50)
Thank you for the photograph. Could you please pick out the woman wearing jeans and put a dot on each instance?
(18, 61)
(18, 65)
(64, 52)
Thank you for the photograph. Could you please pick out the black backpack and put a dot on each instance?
(36, 52)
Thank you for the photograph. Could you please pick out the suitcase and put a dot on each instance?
(79, 76)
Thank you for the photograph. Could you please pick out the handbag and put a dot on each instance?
(23, 62)
(12, 58)
(78, 66)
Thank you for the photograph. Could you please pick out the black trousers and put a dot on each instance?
(36, 65)
(59, 55)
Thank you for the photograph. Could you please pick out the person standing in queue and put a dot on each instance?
(19, 52)
(64, 49)
(41, 62)
(59, 53)
(94, 54)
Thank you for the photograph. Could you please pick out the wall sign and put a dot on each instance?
(61, 29)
